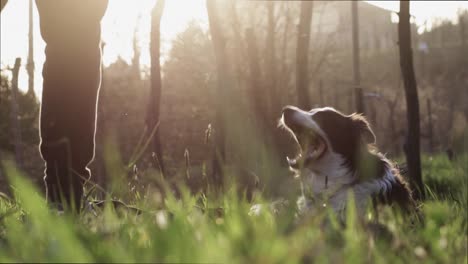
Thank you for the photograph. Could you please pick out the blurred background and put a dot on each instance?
(261, 42)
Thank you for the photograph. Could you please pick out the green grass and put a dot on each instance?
(190, 230)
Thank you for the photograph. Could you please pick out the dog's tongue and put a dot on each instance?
(314, 152)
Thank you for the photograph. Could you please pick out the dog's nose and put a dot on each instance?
(288, 111)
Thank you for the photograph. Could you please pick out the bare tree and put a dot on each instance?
(152, 121)
(284, 76)
(3, 4)
(14, 114)
(412, 142)
(270, 61)
(462, 27)
(323, 46)
(356, 58)
(238, 42)
(136, 53)
(219, 45)
(257, 87)
(101, 132)
(392, 104)
(30, 65)
(430, 130)
(302, 54)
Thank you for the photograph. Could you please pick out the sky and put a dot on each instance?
(123, 16)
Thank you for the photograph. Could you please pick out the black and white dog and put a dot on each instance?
(337, 158)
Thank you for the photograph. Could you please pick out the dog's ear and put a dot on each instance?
(363, 128)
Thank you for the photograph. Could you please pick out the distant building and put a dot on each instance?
(377, 26)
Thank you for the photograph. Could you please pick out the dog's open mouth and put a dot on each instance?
(311, 145)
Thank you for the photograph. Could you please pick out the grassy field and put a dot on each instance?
(191, 229)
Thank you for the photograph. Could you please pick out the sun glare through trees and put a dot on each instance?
(233, 131)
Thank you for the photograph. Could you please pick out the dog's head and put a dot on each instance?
(328, 139)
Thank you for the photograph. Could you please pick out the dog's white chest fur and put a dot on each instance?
(333, 191)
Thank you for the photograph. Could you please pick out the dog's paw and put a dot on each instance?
(255, 210)
(303, 205)
(279, 206)
(276, 207)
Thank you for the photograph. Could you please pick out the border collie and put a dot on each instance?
(337, 157)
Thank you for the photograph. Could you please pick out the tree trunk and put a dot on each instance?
(270, 64)
(14, 114)
(412, 144)
(463, 48)
(257, 89)
(238, 40)
(3, 4)
(302, 55)
(462, 26)
(322, 98)
(336, 101)
(283, 75)
(100, 174)
(137, 54)
(219, 45)
(391, 119)
(358, 94)
(152, 121)
(430, 134)
(394, 136)
(30, 65)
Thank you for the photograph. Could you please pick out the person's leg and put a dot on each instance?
(72, 75)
